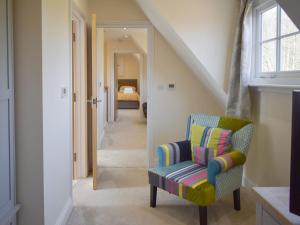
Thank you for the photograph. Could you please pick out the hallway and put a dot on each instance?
(124, 143)
(128, 132)
(122, 197)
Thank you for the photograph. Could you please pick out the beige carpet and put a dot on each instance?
(122, 197)
(128, 132)
(136, 158)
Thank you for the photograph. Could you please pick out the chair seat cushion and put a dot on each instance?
(187, 180)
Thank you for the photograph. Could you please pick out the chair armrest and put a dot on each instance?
(224, 163)
(172, 153)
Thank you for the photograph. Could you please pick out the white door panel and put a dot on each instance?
(7, 189)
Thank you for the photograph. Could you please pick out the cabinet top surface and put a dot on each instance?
(276, 201)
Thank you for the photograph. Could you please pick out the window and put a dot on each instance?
(277, 44)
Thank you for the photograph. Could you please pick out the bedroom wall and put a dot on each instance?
(112, 45)
(189, 95)
(268, 162)
(129, 67)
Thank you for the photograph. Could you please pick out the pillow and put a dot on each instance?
(128, 90)
(208, 143)
(122, 88)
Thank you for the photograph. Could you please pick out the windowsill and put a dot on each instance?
(275, 84)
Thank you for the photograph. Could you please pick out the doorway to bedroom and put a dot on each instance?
(123, 146)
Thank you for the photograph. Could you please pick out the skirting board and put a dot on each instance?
(247, 183)
(65, 213)
(11, 215)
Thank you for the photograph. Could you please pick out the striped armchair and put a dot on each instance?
(203, 185)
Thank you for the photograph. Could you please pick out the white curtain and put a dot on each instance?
(239, 103)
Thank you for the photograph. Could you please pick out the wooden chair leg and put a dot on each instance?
(237, 200)
(153, 194)
(203, 215)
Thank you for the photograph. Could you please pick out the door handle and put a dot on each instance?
(92, 101)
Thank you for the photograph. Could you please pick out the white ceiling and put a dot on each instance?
(137, 35)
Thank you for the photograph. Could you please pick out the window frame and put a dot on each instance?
(269, 78)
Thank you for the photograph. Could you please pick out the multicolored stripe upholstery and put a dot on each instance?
(172, 153)
(217, 140)
(223, 163)
(202, 155)
(202, 185)
(186, 180)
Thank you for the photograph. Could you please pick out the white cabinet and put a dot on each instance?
(272, 207)
(263, 217)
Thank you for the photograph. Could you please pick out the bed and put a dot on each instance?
(128, 96)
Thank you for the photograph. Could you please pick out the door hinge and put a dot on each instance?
(74, 157)
(74, 37)
(74, 97)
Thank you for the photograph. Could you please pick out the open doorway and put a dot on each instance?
(122, 134)
(117, 99)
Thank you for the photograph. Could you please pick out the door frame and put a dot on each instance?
(150, 68)
(81, 95)
(111, 106)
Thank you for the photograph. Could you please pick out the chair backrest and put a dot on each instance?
(242, 129)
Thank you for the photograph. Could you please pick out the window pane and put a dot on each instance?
(287, 26)
(290, 53)
(268, 63)
(269, 24)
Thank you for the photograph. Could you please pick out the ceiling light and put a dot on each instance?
(125, 28)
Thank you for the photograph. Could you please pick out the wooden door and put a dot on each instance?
(93, 99)
(7, 161)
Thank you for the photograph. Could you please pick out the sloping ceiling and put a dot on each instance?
(202, 34)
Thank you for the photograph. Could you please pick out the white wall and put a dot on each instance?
(268, 162)
(28, 111)
(56, 36)
(128, 65)
(139, 36)
(111, 46)
(143, 62)
(171, 108)
(43, 128)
